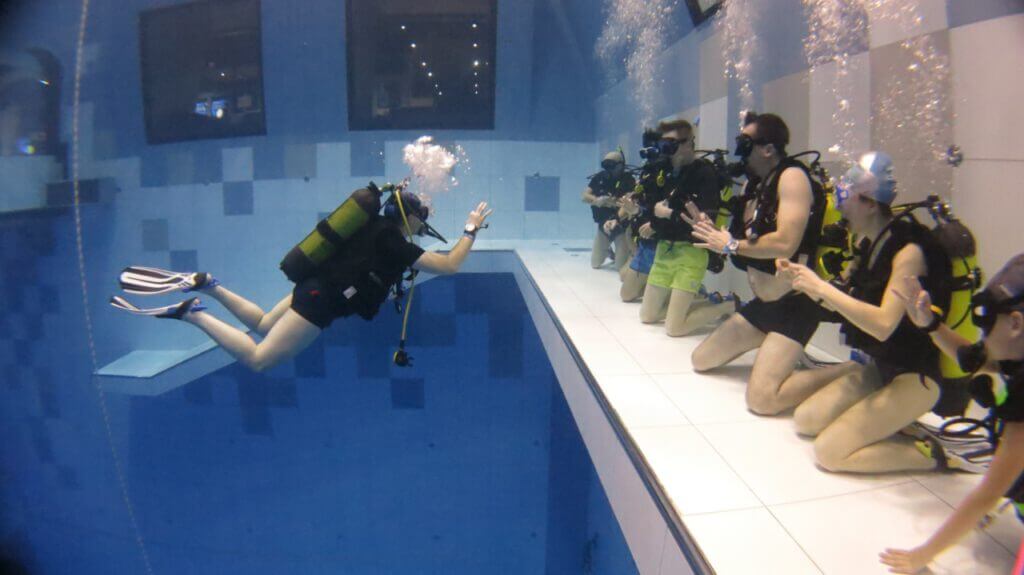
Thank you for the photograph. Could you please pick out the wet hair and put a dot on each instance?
(666, 126)
(772, 129)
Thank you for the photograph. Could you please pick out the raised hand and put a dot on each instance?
(478, 215)
(803, 278)
(646, 231)
(917, 301)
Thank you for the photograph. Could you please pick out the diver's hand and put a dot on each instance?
(802, 277)
(693, 215)
(610, 226)
(607, 202)
(661, 210)
(477, 216)
(917, 301)
(710, 237)
(907, 562)
(646, 231)
(629, 205)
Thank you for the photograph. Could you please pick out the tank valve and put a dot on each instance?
(954, 156)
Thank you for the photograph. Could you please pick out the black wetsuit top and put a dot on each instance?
(652, 194)
(604, 183)
(697, 182)
(765, 219)
(1012, 410)
(372, 262)
(908, 349)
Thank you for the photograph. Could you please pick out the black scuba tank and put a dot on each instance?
(331, 233)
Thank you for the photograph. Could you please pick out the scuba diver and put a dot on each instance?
(856, 418)
(999, 311)
(675, 277)
(637, 211)
(348, 265)
(603, 193)
(781, 218)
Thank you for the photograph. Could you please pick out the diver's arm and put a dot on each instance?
(878, 321)
(918, 305)
(1006, 466)
(795, 202)
(451, 262)
(445, 263)
(588, 196)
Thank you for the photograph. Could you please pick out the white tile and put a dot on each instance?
(830, 124)
(765, 545)
(988, 83)
(713, 132)
(649, 345)
(639, 401)
(694, 476)
(718, 397)
(985, 197)
(779, 465)
(952, 488)
(607, 358)
(478, 158)
(890, 22)
(790, 97)
(844, 535)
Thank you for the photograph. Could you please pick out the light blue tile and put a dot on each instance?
(237, 164)
(333, 161)
(963, 12)
(238, 198)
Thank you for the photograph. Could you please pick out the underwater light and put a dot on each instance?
(430, 74)
(476, 63)
(413, 45)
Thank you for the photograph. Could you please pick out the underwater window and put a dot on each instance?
(421, 64)
(202, 71)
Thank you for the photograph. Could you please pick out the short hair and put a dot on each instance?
(773, 130)
(666, 126)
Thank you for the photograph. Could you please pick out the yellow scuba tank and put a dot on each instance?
(331, 233)
(830, 250)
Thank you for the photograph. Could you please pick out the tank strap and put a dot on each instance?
(325, 229)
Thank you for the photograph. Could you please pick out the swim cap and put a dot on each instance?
(872, 177)
(614, 156)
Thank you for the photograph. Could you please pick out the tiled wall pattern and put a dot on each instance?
(983, 41)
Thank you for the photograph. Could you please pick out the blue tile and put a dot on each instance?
(367, 156)
(282, 393)
(237, 198)
(407, 393)
(199, 392)
(505, 345)
(310, 363)
(184, 260)
(47, 393)
(963, 12)
(542, 194)
(67, 477)
(300, 161)
(207, 163)
(41, 444)
(155, 236)
(268, 159)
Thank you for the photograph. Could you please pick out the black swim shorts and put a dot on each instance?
(794, 315)
(319, 303)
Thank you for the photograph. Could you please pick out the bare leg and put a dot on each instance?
(686, 315)
(655, 304)
(599, 251)
(623, 250)
(632, 285)
(275, 314)
(290, 334)
(730, 340)
(776, 386)
(249, 313)
(826, 405)
(862, 441)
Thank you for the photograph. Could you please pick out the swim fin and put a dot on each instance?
(173, 311)
(155, 281)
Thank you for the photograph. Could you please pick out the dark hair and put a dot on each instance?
(666, 126)
(773, 130)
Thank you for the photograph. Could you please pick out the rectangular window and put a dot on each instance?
(421, 64)
(202, 71)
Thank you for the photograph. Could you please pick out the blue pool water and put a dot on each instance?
(337, 462)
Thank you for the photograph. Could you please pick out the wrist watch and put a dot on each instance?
(936, 320)
(731, 246)
(470, 230)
